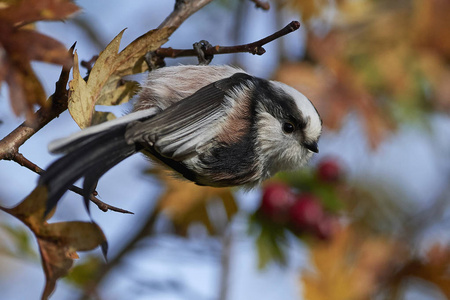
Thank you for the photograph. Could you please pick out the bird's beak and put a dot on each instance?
(311, 146)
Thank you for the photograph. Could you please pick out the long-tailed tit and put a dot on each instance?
(214, 125)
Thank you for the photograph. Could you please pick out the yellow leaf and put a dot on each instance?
(185, 203)
(79, 96)
(131, 58)
(105, 85)
(101, 116)
(116, 92)
(351, 266)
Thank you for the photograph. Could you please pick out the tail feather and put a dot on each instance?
(89, 156)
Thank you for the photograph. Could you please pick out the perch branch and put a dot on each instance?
(253, 48)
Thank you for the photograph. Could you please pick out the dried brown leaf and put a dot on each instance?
(29, 11)
(25, 90)
(44, 48)
(20, 46)
(58, 242)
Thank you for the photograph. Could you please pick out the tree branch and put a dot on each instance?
(253, 48)
(183, 9)
(24, 162)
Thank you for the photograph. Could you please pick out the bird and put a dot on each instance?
(213, 125)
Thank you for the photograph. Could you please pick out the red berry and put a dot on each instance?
(276, 201)
(329, 170)
(306, 212)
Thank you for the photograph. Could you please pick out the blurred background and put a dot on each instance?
(368, 218)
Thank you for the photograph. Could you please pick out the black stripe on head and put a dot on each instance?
(279, 104)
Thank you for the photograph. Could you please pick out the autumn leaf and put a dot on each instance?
(105, 85)
(80, 110)
(432, 267)
(28, 11)
(432, 25)
(20, 46)
(350, 267)
(58, 242)
(186, 203)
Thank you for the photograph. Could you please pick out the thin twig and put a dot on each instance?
(253, 48)
(100, 204)
(24, 162)
(261, 4)
(90, 63)
(183, 9)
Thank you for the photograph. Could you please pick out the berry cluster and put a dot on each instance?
(302, 213)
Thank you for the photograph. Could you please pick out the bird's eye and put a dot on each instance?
(288, 127)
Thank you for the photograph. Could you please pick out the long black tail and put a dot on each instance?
(89, 156)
